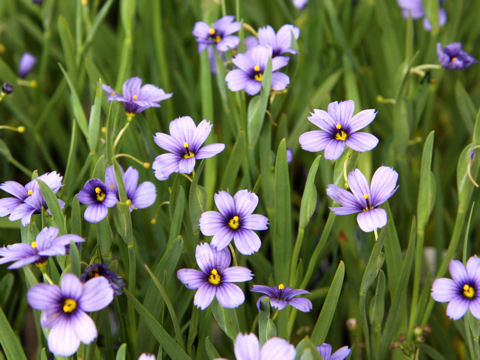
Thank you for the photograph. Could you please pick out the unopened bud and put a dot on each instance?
(7, 88)
(21, 129)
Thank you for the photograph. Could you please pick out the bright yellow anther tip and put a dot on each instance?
(185, 145)
(103, 129)
(21, 129)
(146, 165)
(211, 31)
(34, 244)
(30, 192)
(128, 202)
(281, 287)
(256, 68)
(98, 190)
(153, 221)
(214, 272)
(366, 196)
(135, 97)
(338, 126)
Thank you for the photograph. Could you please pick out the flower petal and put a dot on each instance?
(247, 347)
(228, 42)
(255, 222)
(209, 151)
(301, 304)
(475, 308)
(314, 141)
(236, 79)
(322, 119)
(222, 238)
(341, 354)
(145, 195)
(204, 296)
(343, 197)
(277, 348)
(84, 327)
(457, 307)
(345, 111)
(245, 202)
(164, 165)
(62, 339)
(182, 128)
(279, 81)
(211, 222)
(131, 87)
(384, 185)
(225, 204)
(191, 278)
(361, 141)
(359, 185)
(458, 272)
(96, 294)
(252, 87)
(237, 274)
(8, 205)
(44, 296)
(71, 286)
(246, 241)
(14, 188)
(372, 219)
(334, 149)
(167, 142)
(95, 213)
(444, 290)
(362, 119)
(229, 295)
(200, 134)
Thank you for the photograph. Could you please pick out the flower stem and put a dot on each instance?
(232, 250)
(122, 131)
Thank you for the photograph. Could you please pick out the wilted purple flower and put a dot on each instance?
(281, 296)
(453, 57)
(251, 66)
(136, 97)
(26, 64)
(65, 310)
(279, 42)
(96, 270)
(185, 144)
(7, 88)
(325, 351)
(234, 221)
(247, 347)
(28, 199)
(46, 244)
(365, 199)
(339, 129)
(145, 356)
(462, 292)
(300, 4)
(98, 198)
(140, 196)
(220, 34)
(216, 278)
(414, 9)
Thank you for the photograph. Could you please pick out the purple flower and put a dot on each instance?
(281, 296)
(414, 9)
(46, 244)
(453, 57)
(28, 199)
(251, 66)
(279, 42)
(65, 310)
(140, 196)
(325, 351)
(137, 98)
(339, 129)
(215, 279)
(220, 34)
(96, 270)
(289, 155)
(185, 144)
(247, 347)
(98, 198)
(365, 199)
(462, 292)
(234, 221)
(300, 4)
(26, 64)
(145, 356)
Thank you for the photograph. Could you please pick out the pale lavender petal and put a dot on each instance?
(237, 274)
(201, 29)
(301, 304)
(322, 119)
(278, 304)
(236, 79)
(458, 272)
(191, 278)
(211, 222)
(25, 261)
(167, 142)
(341, 354)
(84, 326)
(277, 63)
(359, 187)
(277, 348)
(345, 112)
(95, 213)
(224, 202)
(260, 55)
(247, 347)
(473, 266)
(44, 296)
(222, 238)
(444, 290)
(152, 93)
(53, 180)
(344, 210)
(110, 199)
(24, 212)
(334, 149)
(245, 202)
(145, 195)
(131, 87)
(325, 350)
(164, 165)
(182, 128)
(110, 183)
(7, 205)
(231, 28)
(209, 151)
(14, 188)
(130, 180)
(200, 134)
(186, 166)
(71, 286)
(228, 42)
(84, 197)
(97, 294)
(475, 308)
(222, 259)
(255, 222)
(205, 256)
(361, 141)
(246, 241)
(204, 296)
(250, 42)
(343, 197)
(442, 17)
(314, 141)
(62, 339)
(229, 295)
(266, 36)
(50, 317)
(362, 119)
(457, 307)
(279, 81)
(372, 219)
(284, 35)
(46, 237)
(384, 185)
(223, 22)
(268, 290)
(244, 62)
(253, 87)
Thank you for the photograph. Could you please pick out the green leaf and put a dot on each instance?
(322, 326)
(226, 319)
(306, 350)
(426, 191)
(68, 43)
(210, 348)
(74, 259)
(94, 120)
(122, 352)
(53, 206)
(10, 343)
(309, 198)
(266, 327)
(230, 173)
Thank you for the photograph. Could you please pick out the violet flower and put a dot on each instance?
(281, 296)
(138, 196)
(215, 278)
(185, 146)
(453, 57)
(7, 88)
(26, 64)
(462, 292)
(234, 221)
(300, 4)
(414, 9)
(247, 347)
(251, 66)
(28, 200)
(325, 351)
(98, 197)
(339, 129)
(145, 356)
(280, 42)
(46, 244)
(65, 310)
(137, 98)
(96, 270)
(365, 199)
(219, 34)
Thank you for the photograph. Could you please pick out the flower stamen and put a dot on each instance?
(34, 244)
(100, 194)
(30, 192)
(468, 291)
(69, 305)
(214, 278)
(234, 223)
(258, 76)
(281, 287)
(188, 153)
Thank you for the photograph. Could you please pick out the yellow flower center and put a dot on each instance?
(468, 291)
(258, 75)
(69, 305)
(211, 31)
(188, 153)
(281, 287)
(34, 244)
(234, 222)
(100, 194)
(135, 97)
(214, 278)
(369, 207)
(30, 192)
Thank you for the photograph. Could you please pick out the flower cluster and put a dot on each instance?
(415, 10)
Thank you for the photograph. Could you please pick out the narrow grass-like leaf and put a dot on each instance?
(210, 348)
(266, 327)
(233, 165)
(94, 121)
(306, 350)
(122, 352)
(68, 43)
(226, 319)
(53, 206)
(74, 259)
(9, 341)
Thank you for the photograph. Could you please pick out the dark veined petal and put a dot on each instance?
(236, 79)
(245, 202)
(334, 149)
(277, 348)
(71, 286)
(95, 213)
(14, 188)
(44, 296)
(237, 274)
(46, 237)
(222, 238)
(63, 339)
(345, 111)
(359, 186)
(315, 140)
(301, 304)
(164, 165)
(475, 308)
(270, 291)
(145, 195)
(223, 22)
(255, 222)
(7, 205)
(224, 202)
(205, 256)
(343, 197)
(325, 350)
(200, 134)
(110, 181)
(260, 55)
(267, 37)
(50, 317)
(323, 120)
(341, 354)
(25, 261)
(278, 304)
(229, 295)
(182, 129)
(246, 241)
(253, 87)
(247, 347)
(204, 296)
(96, 294)
(279, 81)
(152, 93)
(458, 272)
(24, 212)
(210, 150)
(228, 42)
(457, 307)
(130, 180)
(372, 219)
(361, 141)
(131, 87)
(186, 166)
(191, 278)
(384, 185)
(84, 326)
(362, 119)
(444, 290)
(211, 222)
(168, 142)
(110, 199)
(244, 62)
(277, 63)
